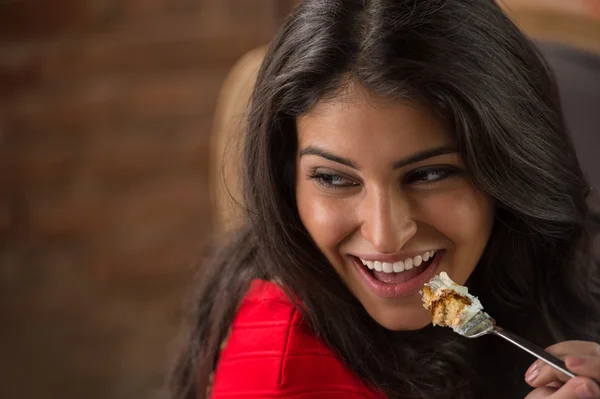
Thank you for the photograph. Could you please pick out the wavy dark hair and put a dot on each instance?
(467, 61)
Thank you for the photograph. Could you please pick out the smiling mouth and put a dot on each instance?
(398, 272)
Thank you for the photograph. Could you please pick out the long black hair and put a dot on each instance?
(466, 60)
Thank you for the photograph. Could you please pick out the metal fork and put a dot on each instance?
(482, 324)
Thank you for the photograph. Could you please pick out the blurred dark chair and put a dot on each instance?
(578, 75)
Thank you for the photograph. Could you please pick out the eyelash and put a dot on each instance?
(322, 179)
(419, 176)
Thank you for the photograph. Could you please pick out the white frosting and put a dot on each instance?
(443, 283)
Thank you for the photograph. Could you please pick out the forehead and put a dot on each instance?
(357, 121)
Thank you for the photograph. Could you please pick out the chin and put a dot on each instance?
(402, 319)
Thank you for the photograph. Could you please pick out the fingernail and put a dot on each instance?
(532, 372)
(573, 361)
(587, 391)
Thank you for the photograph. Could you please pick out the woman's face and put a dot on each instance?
(384, 195)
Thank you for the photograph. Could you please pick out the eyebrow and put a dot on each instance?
(310, 150)
(417, 157)
(423, 155)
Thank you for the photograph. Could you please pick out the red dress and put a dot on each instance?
(271, 354)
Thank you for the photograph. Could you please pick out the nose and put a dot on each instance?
(387, 222)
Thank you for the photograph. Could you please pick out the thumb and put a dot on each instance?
(575, 388)
(543, 392)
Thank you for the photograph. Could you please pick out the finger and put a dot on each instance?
(565, 348)
(543, 392)
(541, 374)
(585, 366)
(555, 385)
(578, 388)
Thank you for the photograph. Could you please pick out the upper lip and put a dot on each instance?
(392, 258)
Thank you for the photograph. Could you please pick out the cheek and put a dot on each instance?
(327, 220)
(463, 215)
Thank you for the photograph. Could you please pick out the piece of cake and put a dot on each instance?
(450, 304)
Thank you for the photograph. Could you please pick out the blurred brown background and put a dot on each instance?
(106, 109)
(105, 114)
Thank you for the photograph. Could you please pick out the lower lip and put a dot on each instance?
(400, 290)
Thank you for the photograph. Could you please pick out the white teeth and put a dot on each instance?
(398, 267)
(378, 266)
(417, 260)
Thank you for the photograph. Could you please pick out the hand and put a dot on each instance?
(582, 358)
(593, 7)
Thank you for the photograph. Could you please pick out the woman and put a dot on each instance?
(387, 141)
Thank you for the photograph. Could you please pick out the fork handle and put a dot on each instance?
(534, 350)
